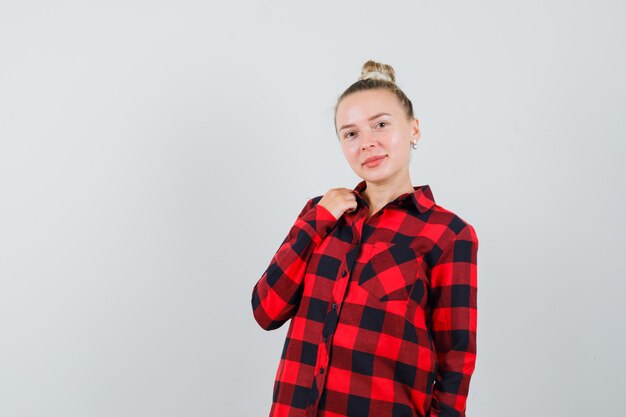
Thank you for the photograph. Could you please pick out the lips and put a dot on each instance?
(373, 158)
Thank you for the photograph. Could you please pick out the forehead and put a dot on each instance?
(361, 105)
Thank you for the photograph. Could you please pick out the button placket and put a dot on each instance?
(341, 286)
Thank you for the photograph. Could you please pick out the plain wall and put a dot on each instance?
(153, 155)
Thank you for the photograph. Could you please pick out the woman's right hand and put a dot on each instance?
(338, 201)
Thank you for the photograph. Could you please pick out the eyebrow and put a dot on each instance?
(376, 116)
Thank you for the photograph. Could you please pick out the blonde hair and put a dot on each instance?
(375, 75)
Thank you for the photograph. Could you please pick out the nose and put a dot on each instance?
(368, 140)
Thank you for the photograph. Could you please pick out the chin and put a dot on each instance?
(374, 177)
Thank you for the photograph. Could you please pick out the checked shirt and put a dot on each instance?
(383, 310)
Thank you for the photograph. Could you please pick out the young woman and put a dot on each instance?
(379, 281)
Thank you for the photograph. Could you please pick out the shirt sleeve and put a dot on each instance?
(276, 296)
(453, 322)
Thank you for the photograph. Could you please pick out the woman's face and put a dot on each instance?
(373, 124)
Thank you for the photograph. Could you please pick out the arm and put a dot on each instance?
(454, 320)
(276, 296)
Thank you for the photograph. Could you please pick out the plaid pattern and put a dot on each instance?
(383, 310)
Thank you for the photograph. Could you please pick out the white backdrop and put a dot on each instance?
(154, 154)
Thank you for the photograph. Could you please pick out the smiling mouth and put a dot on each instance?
(374, 161)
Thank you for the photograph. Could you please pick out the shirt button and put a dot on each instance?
(325, 339)
(321, 370)
(328, 229)
(334, 306)
(343, 273)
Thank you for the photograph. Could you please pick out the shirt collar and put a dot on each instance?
(421, 198)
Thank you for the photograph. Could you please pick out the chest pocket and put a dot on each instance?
(389, 271)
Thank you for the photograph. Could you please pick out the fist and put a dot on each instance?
(339, 201)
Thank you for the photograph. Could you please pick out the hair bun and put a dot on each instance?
(373, 69)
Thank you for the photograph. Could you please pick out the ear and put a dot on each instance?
(415, 129)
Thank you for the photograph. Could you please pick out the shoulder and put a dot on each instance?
(310, 204)
(453, 225)
(316, 199)
(454, 238)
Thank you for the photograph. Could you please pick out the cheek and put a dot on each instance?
(401, 144)
(351, 152)
(349, 148)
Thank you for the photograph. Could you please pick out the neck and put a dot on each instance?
(378, 195)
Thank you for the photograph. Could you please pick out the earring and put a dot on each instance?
(414, 144)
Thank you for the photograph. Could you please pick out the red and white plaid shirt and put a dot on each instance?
(383, 310)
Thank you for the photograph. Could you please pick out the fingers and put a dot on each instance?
(339, 200)
(351, 200)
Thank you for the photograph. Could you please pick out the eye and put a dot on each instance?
(382, 124)
(349, 134)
